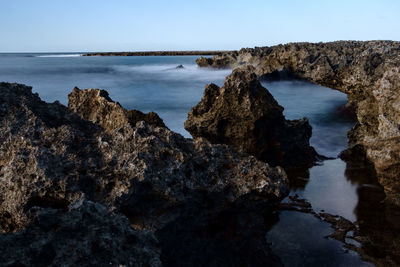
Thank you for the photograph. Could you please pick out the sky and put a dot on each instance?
(122, 25)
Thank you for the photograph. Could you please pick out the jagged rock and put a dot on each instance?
(219, 62)
(368, 72)
(88, 234)
(96, 106)
(245, 115)
(205, 62)
(50, 158)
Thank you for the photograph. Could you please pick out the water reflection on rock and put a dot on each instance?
(209, 232)
(348, 189)
(378, 222)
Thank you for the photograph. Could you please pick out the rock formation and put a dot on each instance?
(86, 235)
(96, 106)
(368, 72)
(245, 115)
(52, 159)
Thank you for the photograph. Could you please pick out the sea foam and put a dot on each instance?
(61, 55)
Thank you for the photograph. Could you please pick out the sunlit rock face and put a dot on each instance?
(96, 106)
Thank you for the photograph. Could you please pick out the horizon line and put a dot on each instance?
(199, 50)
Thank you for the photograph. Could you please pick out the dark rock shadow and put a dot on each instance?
(378, 221)
(281, 75)
(211, 232)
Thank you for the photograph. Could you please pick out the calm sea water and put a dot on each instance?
(298, 238)
(154, 84)
(143, 83)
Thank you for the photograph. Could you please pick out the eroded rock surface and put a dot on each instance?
(368, 72)
(51, 158)
(242, 113)
(96, 106)
(87, 235)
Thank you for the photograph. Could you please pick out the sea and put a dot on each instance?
(154, 83)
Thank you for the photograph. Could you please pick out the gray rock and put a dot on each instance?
(96, 106)
(243, 114)
(52, 158)
(88, 234)
(368, 72)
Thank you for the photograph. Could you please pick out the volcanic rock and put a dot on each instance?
(52, 158)
(88, 234)
(96, 106)
(243, 114)
(368, 72)
(206, 62)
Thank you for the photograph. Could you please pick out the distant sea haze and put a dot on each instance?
(60, 55)
(144, 83)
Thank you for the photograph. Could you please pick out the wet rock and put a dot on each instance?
(96, 106)
(368, 72)
(244, 114)
(87, 234)
(341, 225)
(180, 67)
(52, 158)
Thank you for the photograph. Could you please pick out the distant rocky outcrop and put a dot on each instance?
(242, 113)
(157, 53)
(368, 72)
(52, 159)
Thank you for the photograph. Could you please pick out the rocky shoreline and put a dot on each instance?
(95, 183)
(243, 114)
(157, 53)
(368, 72)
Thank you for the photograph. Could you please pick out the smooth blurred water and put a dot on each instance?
(321, 106)
(327, 187)
(300, 239)
(143, 83)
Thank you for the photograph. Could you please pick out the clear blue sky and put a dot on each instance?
(114, 25)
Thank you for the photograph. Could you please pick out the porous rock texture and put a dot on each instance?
(87, 235)
(96, 105)
(368, 72)
(243, 114)
(52, 158)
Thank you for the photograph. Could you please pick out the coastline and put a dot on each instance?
(348, 231)
(159, 53)
(367, 71)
